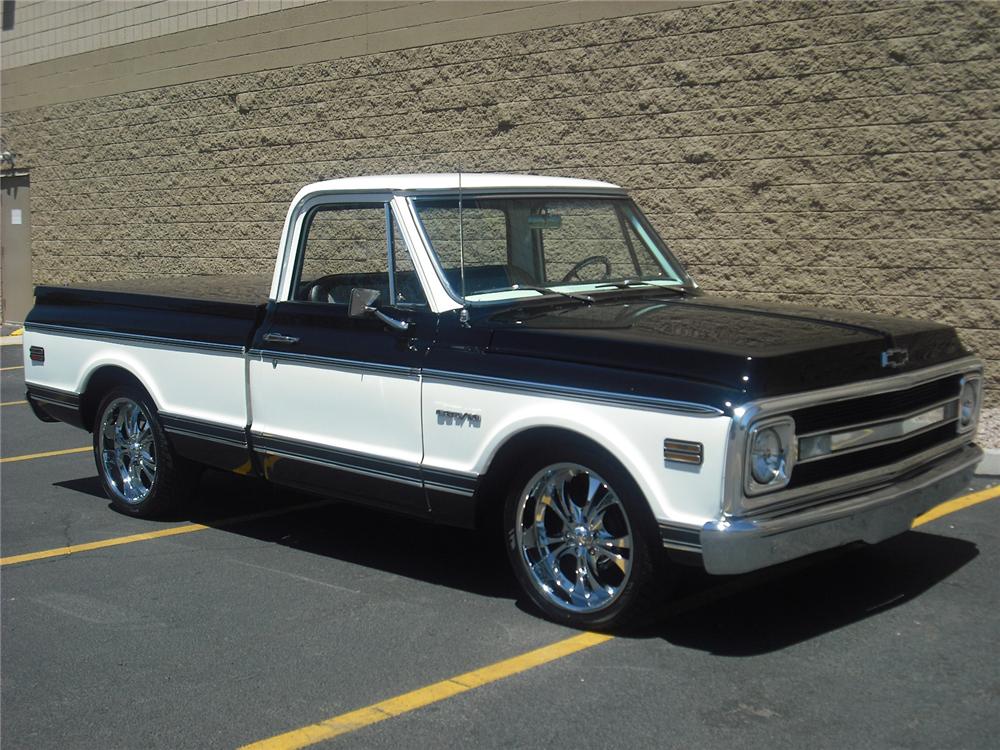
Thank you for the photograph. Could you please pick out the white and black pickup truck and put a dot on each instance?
(524, 353)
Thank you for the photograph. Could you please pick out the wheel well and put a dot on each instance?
(495, 482)
(102, 381)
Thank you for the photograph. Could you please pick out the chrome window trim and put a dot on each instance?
(292, 237)
(133, 338)
(735, 503)
(874, 441)
(413, 197)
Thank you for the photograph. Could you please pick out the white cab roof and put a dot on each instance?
(393, 183)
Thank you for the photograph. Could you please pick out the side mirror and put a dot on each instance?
(363, 304)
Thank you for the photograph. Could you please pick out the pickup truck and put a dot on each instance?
(525, 355)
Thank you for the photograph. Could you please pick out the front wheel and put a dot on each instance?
(137, 467)
(582, 541)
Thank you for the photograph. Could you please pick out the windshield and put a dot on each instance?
(520, 246)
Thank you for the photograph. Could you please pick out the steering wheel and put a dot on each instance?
(591, 261)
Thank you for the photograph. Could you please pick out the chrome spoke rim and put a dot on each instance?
(574, 538)
(127, 450)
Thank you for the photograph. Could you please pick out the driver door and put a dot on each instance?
(335, 400)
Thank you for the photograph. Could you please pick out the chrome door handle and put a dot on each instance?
(278, 338)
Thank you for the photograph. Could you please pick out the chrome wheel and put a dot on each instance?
(127, 450)
(573, 538)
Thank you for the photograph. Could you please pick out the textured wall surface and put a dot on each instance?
(840, 154)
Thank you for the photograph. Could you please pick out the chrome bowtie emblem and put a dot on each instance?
(895, 357)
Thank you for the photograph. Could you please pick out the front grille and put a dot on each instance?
(872, 408)
(872, 458)
(859, 417)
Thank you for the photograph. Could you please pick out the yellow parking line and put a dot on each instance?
(172, 531)
(957, 504)
(47, 454)
(12, 403)
(74, 549)
(18, 367)
(439, 691)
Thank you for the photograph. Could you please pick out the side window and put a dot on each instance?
(344, 247)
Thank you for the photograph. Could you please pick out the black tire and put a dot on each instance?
(638, 574)
(140, 482)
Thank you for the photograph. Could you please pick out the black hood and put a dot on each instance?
(758, 348)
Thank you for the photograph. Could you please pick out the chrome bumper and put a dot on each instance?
(744, 544)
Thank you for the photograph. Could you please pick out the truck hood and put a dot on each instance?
(758, 348)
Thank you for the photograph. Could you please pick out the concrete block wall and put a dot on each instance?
(832, 153)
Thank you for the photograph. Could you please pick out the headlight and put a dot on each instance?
(767, 456)
(968, 403)
(770, 455)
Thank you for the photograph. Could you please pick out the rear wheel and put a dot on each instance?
(137, 467)
(582, 541)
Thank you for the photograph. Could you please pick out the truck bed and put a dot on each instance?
(222, 310)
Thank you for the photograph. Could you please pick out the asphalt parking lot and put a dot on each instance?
(274, 613)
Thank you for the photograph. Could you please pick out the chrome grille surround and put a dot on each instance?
(737, 503)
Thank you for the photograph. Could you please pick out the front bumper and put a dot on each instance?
(744, 544)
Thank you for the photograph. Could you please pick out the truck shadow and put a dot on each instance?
(398, 545)
(777, 608)
(736, 616)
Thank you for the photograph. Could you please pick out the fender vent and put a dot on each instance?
(683, 452)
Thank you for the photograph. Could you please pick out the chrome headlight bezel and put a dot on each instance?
(784, 429)
(974, 382)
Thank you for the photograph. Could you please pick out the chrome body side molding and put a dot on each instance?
(336, 363)
(576, 394)
(134, 338)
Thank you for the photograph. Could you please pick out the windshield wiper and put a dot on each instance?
(633, 283)
(549, 290)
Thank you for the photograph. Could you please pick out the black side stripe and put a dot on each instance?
(357, 463)
(207, 430)
(53, 396)
(455, 482)
(675, 536)
(368, 465)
